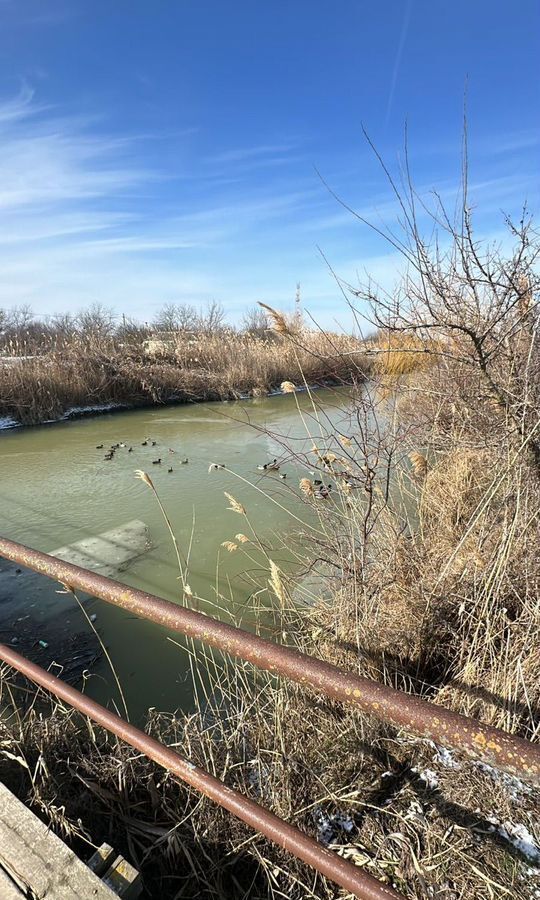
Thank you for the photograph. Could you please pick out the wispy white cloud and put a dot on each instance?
(40, 226)
(243, 161)
(87, 214)
(489, 195)
(83, 219)
(29, 15)
(17, 107)
(258, 152)
(397, 59)
(54, 160)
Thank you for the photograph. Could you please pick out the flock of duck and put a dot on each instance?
(148, 442)
(322, 491)
(272, 467)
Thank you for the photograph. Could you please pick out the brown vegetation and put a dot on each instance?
(90, 368)
(424, 574)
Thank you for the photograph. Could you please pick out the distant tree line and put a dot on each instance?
(23, 331)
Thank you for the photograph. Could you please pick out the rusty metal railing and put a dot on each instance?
(344, 873)
(505, 751)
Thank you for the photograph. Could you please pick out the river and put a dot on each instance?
(56, 488)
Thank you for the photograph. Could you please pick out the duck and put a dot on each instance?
(216, 466)
(156, 462)
(184, 462)
(99, 447)
(283, 475)
(323, 493)
(170, 469)
(130, 450)
(269, 467)
(154, 443)
(109, 455)
(121, 445)
(144, 444)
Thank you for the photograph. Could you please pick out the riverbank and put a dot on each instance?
(99, 409)
(447, 609)
(96, 375)
(416, 518)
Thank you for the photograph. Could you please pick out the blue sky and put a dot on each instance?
(168, 150)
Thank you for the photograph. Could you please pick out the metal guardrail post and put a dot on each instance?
(421, 717)
(350, 877)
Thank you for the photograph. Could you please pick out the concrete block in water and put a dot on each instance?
(107, 553)
(46, 624)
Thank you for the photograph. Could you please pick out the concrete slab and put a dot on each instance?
(110, 552)
(33, 608)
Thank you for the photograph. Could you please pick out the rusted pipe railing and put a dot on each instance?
(344, 873)
(503, 750)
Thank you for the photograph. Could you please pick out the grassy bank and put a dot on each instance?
(420, 570)
(88, 370)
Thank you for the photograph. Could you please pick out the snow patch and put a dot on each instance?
(519, 836)
(444, 757)
(415, 810)
(329, 826)
(428, 776)
(87, 410)
(522, 839)
(71, 413)
(514, 787)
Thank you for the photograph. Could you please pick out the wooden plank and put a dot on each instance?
(35, 857)
(124, 879)
(8, 888)
(101, 860)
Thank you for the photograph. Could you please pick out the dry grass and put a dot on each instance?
(87, 371)
(422, 571)
(398, 355)
(447, 608)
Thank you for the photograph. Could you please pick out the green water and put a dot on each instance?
(56, 488)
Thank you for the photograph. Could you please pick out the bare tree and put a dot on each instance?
(131, 332)
(212, 319)
(255, 321)
(20, 317)
(97, 320)
(469, 302)
(176, 317)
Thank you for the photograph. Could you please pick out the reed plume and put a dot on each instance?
(288, 387)
(276, 583)
(306, 487)
(278, 319)
(235, 506)
(419, 463)
(230, 546)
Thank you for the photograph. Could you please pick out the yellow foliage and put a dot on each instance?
(402, 354)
